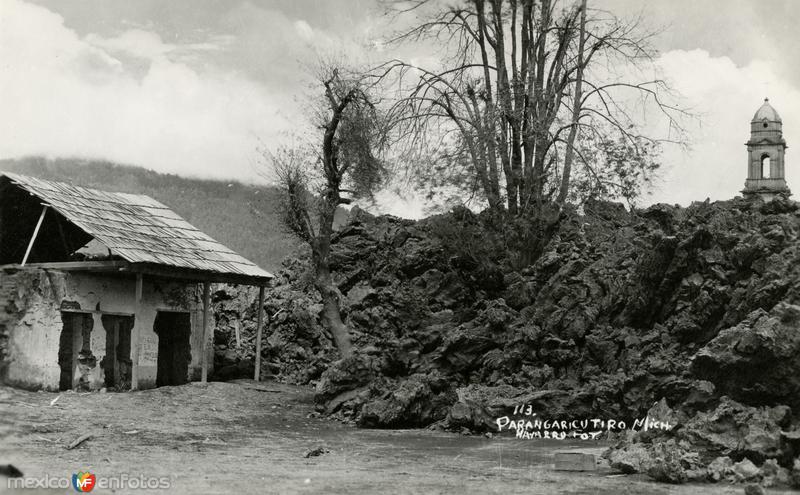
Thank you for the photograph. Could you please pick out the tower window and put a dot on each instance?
(766, 125)
(765, 167)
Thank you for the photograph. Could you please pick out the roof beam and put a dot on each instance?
(87, 266)
(123, 267)
(196, 276)
(35, 233)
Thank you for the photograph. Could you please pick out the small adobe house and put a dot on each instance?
(105, 290)
(766, 177)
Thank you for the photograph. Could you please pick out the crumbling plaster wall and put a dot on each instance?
(34, 322)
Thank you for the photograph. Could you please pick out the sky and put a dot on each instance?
(196, 87)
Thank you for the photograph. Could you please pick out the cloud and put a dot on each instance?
(148, 45)
(304, 30)
(135, 42)
(200, 108)
(66, 95)
(725, 96)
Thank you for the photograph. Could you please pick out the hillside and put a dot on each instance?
(243, 217)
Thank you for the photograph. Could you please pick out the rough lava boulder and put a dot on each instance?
(768, 342)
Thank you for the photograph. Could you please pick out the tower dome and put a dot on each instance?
(766, 112)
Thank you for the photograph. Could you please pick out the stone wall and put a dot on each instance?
(32, 321)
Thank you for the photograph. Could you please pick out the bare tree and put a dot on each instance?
(524, 81)
(343, 166)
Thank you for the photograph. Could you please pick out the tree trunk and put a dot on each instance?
(489, 125)
(540, 132)
(576, 113)
(331, 314)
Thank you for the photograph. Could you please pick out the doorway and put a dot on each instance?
(174, 351)
(117, 364)
(74, 349)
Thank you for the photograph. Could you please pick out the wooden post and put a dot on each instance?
(260, 322)
(206, 309)
(137, 330)
(33, 237)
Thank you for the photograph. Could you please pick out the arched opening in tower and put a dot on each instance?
(765, 167)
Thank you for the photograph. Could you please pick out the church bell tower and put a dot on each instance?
(765, 152)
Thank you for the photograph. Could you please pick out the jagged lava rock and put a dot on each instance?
(765, 341)
(599, 314)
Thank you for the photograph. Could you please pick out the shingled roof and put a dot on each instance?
(139, 229)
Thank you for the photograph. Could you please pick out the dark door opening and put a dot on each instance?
(74, 348)
(174, 351)
(117, 364)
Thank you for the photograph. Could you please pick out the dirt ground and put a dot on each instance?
(253, 438)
